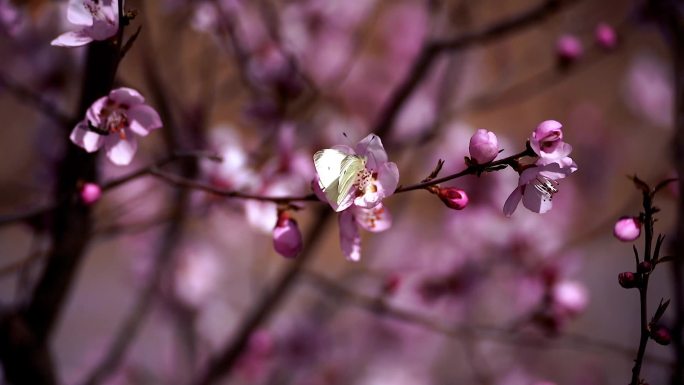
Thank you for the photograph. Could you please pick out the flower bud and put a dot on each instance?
(453, 198)
(484, 146)
(570, 297)
(90, 193)
(606, 36)
(628, 280)
(661, 334)
(644, 267)
(568, 49)
(627, 229)
(287, 239)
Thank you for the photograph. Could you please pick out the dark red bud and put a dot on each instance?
(628, 280)
(644, 267)
(453, 198)
(661, 335)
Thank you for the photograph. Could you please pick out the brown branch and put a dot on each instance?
(432, 49)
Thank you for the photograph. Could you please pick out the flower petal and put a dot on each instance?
(126, 96)
(72, 39)
(83, 137)
(78, 14)
(371, 147)
(376, 219)
(121, 151)
(94, 111)
(350, 240)
(143, 119)
(535, 200)
(513, 200)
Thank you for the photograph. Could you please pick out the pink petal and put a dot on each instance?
(376, 219)
(102, 29)
(513, 200)
(350, 240)
(535, 200)
(121, 151)
(126, 96)
(78, 14)
(371, 147)
(388, 178)
(93, 113)
(143, 119)
(83, 137)
(72, 39)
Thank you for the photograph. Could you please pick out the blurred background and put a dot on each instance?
(443, 296)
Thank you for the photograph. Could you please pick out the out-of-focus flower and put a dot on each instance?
(484, 146)
(196, 276)
(10, 18)
(287, 239)
(606, 36)
(627, 229)
(661, 334)
(568, 48)
(453, 198)
(113, 121)
(361, 176)
(569, 298)
(90, 193)
(537, 185)
(233, 172)
(98, 20)
(374, 219)
(649, 90)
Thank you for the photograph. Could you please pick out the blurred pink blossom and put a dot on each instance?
(98, 20)
(649, 89)
(606, 36)
(569, 297)
(627, 229)
(569, 48)
(113, 121)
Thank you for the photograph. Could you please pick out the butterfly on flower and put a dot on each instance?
(359, 176)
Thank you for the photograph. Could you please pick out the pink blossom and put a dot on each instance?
(375, 219)
(537, 185)
(627, 229)
(98, 20)
(484, 146)
(569, 48)
(287, 239)
(375, 181)
(606, 36)
(547, 142)
(453, 198)
(569, 297)
(90, 193)
(113, 121)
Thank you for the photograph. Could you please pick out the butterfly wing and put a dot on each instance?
(351, 165)
(328, 165)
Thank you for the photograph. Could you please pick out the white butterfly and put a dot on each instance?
(337, 172)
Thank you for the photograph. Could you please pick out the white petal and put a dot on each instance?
(72, 39)
(121, 151)
(143, 119)
(513, 200)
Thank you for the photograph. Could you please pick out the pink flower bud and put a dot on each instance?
(484, 146)
(628, 280)
(90, 193)
(568, 48)
(644, 267)
(661, 334)
(287, 239)
(453, 198)
(627, 229)
(606, 36)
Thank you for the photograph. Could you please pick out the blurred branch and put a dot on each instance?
(380, 307)
(35, 100)
(432, 49)
(225, 359)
